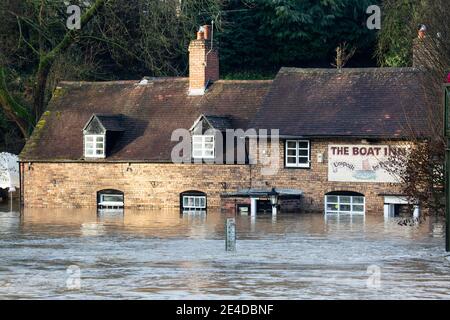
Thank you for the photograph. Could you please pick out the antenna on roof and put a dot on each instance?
(212, 42)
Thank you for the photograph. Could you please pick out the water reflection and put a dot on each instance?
(166, 255)
(172, 224)
(92, 229)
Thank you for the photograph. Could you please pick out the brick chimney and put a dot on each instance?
(203, 62)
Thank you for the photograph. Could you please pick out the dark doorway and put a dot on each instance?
(264, 206)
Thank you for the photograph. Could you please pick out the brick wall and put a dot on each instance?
(314, 181)
(144, 185)
(159, 185)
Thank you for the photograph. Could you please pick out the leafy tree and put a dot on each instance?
(117, 39)
(400, 18)
(267, 34)
(38, 29)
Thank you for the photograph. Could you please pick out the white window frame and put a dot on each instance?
(339, 203)
(201, 140)
(94, 148)
(109, 203)
(297, 155)
(391, 201)
(194, 206)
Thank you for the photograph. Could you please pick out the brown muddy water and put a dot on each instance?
(75, 254)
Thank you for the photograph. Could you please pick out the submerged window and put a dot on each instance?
(345, 204)
(193, 201)
(110, 199)
(400, 207)
(297, 153)
(203, 146)
(94, 146)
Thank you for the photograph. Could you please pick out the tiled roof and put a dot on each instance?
(150, 112)
(366, 103)
(111, 122)
(219, 122)
(371, 102)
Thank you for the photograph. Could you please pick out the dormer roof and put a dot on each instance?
(220, 123)
(107, 122)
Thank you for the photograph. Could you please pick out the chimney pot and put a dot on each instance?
(422, 31)
(207, 32)
(200, 35)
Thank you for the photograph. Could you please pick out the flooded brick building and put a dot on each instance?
(328, 133)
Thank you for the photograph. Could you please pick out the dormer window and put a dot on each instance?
(203, 147)
(100, 135)
(206, 133)
(94, 146)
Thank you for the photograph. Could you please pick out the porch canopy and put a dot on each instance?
(273, 195)
(262, 193)
(9, 171)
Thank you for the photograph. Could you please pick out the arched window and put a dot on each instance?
(193, 201)
(345, 202)
(110, 199)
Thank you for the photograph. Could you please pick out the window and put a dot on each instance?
(94, 146)
(297, 153)
(344, 204)
(110, 199)
(203, 147)
(194, 202)
(400, 207)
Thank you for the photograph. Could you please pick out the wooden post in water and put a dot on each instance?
(230, 234)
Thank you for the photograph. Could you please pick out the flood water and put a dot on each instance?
(75, 254)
